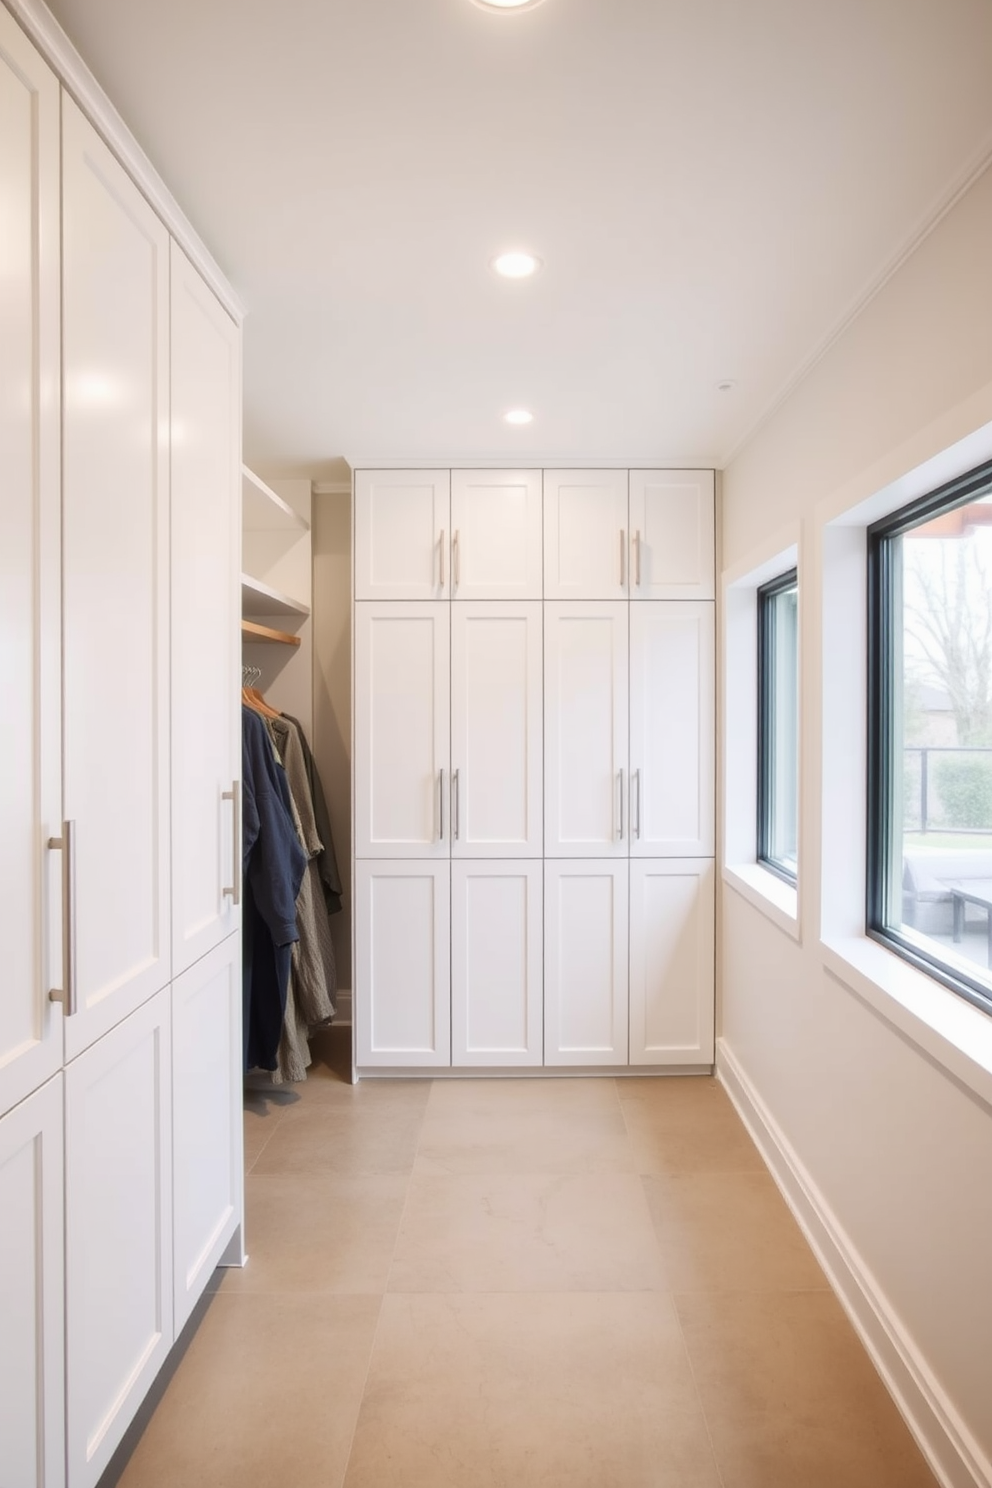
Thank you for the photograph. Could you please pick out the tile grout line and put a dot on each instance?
(382, 1302)
(695, 1386)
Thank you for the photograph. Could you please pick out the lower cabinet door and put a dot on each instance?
(118, 1199)
(585, 961)
(671, 961)
(402, 1009)
(207, 1132)
(32, 1359)
(496, 962)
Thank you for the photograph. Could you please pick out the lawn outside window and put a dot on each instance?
(929, 870)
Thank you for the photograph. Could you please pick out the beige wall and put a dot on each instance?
(898, 1151)
(332, 696)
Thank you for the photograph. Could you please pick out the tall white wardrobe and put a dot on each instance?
(534, 769)
(120, 1006)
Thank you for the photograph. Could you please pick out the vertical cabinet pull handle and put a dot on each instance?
(637, 560)
(456, 561)
(440, 804)
(441, 556)
(623, 557)
(620, 830)
(456, 806)
(637, 818)
(234, 796)
(68, 993)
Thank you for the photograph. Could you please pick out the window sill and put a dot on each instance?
(949, 1030)
(772, 895)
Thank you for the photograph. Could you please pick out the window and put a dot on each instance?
(778, 725)
(930, 733)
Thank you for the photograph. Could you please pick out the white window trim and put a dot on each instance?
(949, 1029)
(741, 871)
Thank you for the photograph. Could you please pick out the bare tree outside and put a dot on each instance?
(948, 616)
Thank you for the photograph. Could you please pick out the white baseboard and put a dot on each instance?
(952, 1452)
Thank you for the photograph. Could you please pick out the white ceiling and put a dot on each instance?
(715, 185)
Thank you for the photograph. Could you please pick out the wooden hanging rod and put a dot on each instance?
(253, 632)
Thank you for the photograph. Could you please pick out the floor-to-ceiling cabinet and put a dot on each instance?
(534, 768)
(120, 1158)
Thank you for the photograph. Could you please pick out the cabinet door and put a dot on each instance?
(402, 963)
(118, 1232)
(585, 534)
(671, 962)
(585, 963)
(585, 730)
(206, 482)
(402, 778)
(115, 313)
(32, 1338)
(672, 729)
(402, 534)
(208, 1159)
(496, 534)
(496, 963)
(30, 781)
(672, 534)
(496, 705)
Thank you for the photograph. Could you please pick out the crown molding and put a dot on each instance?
(332, 488)
(46, 33)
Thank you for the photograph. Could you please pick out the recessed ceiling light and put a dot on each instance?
(507, 4)
(518, 416)
(516, 264)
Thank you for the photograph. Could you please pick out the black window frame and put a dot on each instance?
(884, 583)
(767, 659)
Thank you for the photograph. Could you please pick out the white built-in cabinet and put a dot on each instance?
(534, 768)
(120, 1009)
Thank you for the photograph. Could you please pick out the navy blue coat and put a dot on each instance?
(273, 864)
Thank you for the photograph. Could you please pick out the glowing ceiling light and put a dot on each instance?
(516, 264)
(518, 416)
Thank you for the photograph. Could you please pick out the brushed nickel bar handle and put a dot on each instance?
(441, 558)
(234, 796)
(637, 777)
(68, 993)
(623, 557)
(456, 806)
(637, 559)
(456, 561)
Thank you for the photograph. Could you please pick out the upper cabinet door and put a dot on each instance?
(402, 777)
(403, 534)
(586, 789)
(586, 540)
(30, 781)
(115, 515)
(672, 534)
(496, 534)
(496, 693)
(672, 745)
(206, 736)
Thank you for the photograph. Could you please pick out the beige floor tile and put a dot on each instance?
(790, 1395)
(499, 1097)
(267, 1394)
(336, 1139)
(539, 1141)
(580, 1391)
(527, 1233)
(729, 1232)
(319, 1233)
(685, 1125)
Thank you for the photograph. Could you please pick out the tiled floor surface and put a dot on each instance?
(587, 1283)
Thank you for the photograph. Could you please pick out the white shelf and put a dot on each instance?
(263, 511)
(260, 599)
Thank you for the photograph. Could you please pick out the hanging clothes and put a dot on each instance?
(274, 865)
(327, 861)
